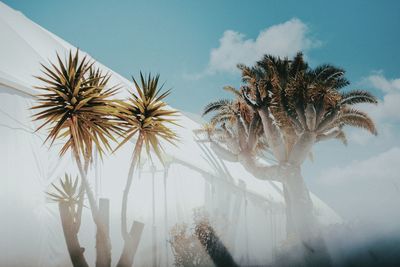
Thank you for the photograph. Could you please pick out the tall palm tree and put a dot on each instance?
(146, 116)
(298, 106)
(77, 108)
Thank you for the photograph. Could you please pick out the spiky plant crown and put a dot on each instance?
(77, 106)
(146, 114)
(67, 191)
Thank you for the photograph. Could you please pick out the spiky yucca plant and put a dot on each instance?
(76, 105)
(70, 198)
(145, 116)
(77, 108)
(67, 191)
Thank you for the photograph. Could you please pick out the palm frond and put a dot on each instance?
(233, 90)
(356, 118)
(217, 106)
(358, 96)
(342, 137)
(297, 65)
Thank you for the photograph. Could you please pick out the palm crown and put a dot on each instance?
(67, 191)
(77, 105)
(146, 114)
(296, 99)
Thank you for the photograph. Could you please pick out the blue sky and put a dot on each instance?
(194, 45)
(175, 38)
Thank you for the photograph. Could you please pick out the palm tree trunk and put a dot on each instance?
(71, 236)
(302, 226)
(135, 157)
(132, 238)
(102, 235)
(153, 232)
(166, 169)
(103, 243)
(299, 207)
(272, 135)
(131, 245)
(89, 192)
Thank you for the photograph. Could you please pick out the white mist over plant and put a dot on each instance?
(139, 184)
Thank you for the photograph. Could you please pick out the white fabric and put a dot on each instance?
(248, 213)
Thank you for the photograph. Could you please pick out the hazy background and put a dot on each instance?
(195, 45)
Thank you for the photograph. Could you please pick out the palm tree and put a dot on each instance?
(298, 106)
(69, 196)
(145, 116)
(235, 133)
(77, 107)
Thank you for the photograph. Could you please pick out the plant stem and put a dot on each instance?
(135, 157)
(92, 201)
(102, 234)
(71, 236)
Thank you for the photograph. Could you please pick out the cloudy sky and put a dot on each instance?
(195, 46)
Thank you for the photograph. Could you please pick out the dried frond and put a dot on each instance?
(342, 137)
(357, 118)
(233, 90)
(331, 76)
(358, 96)
(298, 65)
(219, 105)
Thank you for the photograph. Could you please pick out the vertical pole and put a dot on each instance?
(272, 237)
(166, 213)
(103, 245)
(154, 238)
(246, 227)
(236, 215)
(104, 207)
(96, 175)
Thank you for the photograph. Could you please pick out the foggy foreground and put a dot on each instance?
(196, 209)
(30, 240)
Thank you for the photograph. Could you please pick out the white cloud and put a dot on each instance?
(389, 107)
(384, 84)
(379, 168)
(285, 39)
(366, 190)
(386, 114)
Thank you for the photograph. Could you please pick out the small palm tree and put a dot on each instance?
(297, 106)
(145, 116)
(67, 191)
(236, 134)
(69, 198)
(77, 107)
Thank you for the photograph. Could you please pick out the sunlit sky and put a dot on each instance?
(195, 46)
